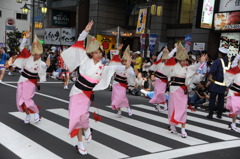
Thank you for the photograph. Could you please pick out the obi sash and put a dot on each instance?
(120, 79)
(235, 87)
(84, 84)
(29, 75)
(177, 81)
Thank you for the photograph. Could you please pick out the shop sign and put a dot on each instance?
(231, 42)
(10, 27)
(61, 18)
(106, 43)
(227, 21)
(229, 5)
(60, 36)
(198, 46)
(207, 14)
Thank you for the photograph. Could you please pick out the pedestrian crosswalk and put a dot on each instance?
(143, 135)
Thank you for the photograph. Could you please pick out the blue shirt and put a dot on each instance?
(216, 71)
(3, 58)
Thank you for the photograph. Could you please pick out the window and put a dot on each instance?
(21, 16)
(0, 13)
(187, 11)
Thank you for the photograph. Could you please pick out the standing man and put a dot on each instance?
(138, 61)
(217, 83)
(3, 60)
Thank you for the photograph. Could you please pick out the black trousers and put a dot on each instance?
(212, 103)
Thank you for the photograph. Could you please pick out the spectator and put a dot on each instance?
(138, 61)
(199, 94)
(148, 90)
(3, 60)
(139, 83)
(146, 65)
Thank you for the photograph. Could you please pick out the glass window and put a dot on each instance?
(187, 11)
(0, 13)
(21, 16)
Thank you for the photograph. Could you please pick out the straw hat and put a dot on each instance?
(126, 53)
(181, 53)
(165, 54)
(92, 44)
(36, 46)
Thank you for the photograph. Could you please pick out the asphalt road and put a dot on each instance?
(143, 135)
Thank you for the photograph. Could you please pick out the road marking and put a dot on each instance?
(14, 82)
(23, 146)
(127, 137)
(182, 152)
(193, 128)
(151, 128)
(60, 132)
(189, 117)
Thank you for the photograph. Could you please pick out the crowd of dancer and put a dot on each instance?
(175, 72)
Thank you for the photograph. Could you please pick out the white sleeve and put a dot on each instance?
(172, 52)
(23, 43)
(235, 61)
(44, 65)
(160, 55)
(82, 36)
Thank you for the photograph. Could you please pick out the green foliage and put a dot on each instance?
(13, 38)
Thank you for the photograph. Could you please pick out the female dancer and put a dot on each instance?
(233, 98)
(161, 80)
(120, 82)
(180, 74)
(93, 75)
(33, 68)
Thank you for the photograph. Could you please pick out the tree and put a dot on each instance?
(13, 38)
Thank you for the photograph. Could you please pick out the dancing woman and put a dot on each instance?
(93, 75)
(32, 68)
(180, 74)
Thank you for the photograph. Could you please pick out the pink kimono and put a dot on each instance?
(31, 71)
(92, 77)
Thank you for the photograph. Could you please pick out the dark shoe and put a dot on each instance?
(219, 116)
(209, 116)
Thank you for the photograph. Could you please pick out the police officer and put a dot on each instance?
(217, 86)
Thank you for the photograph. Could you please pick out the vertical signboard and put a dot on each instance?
(207, 14)
(141, 21)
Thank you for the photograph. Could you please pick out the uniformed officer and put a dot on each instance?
(217, 86)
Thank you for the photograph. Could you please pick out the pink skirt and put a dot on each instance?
(78, 113)
(159, 92)
(25, 92)
(177, 107)
(233, 104)
(119, 97)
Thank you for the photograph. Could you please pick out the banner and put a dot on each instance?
(152, 42)
(142, 42)
(142, 17)
(67, 36)
(52, 36)
(229, 5)
(60, 36)
(207, 14)
(231, 42)
(227, 21)
(187, 42)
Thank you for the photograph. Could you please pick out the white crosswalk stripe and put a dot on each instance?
(202, 120)
(129, 138)
(189, 126)
(21, 145)
(61, 132)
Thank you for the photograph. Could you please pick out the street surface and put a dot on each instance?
(143, 135)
